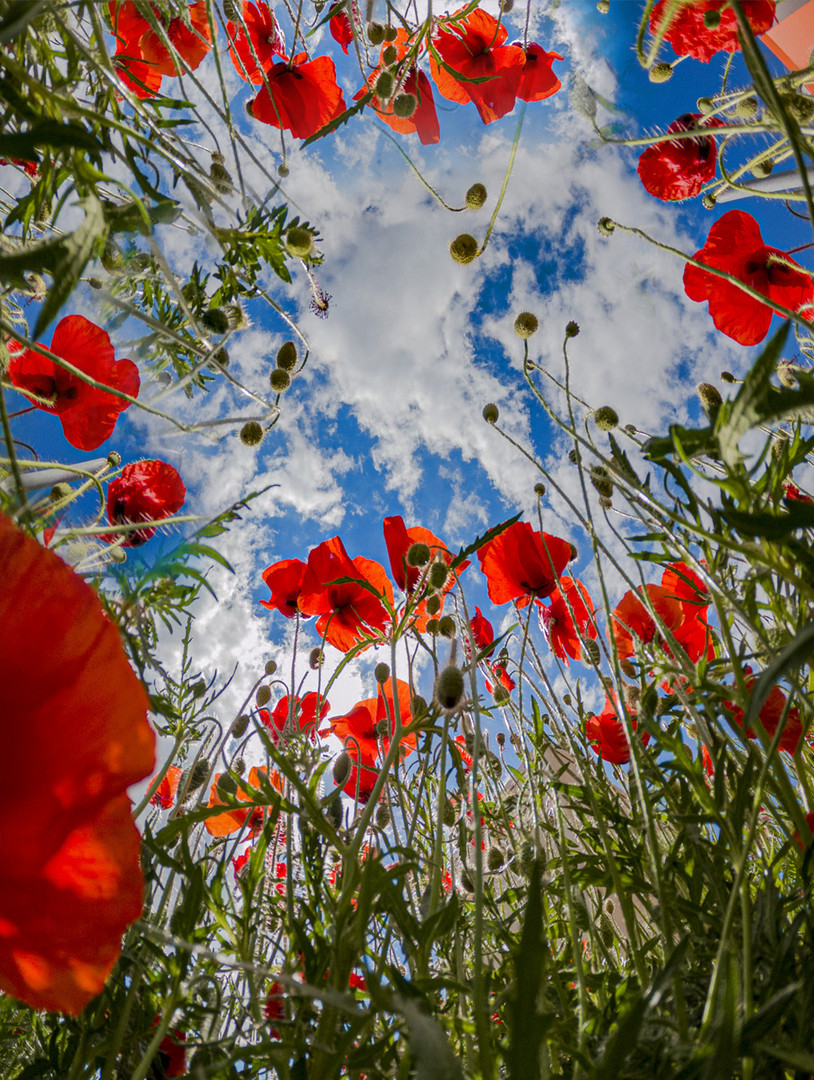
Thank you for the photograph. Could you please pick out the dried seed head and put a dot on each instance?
(464, 248)
(475, 197)
(251, 434)
(525, 324)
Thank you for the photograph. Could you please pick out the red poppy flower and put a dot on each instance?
(424, 120)
(190, 40)
(274, 1008)
(537, 79)
(88, 415)
(253, 48)
(172, 1054)
(348, 610)
(606, 734)
(145, 491)
(361, 725)
(31, 168)
(791, 493)
(341, 30)
(483, 633)
(502, 677)
(400, 539)
(302, 96)
(630, 618)
(521, 564)
(233, 819)
(809, 819)
(305, 714)
(164, 795)
(357, 982)
(770, 715)
(693, 633)
(475, 49)
(706, 761)
(567, 618)
(466, 757)
(284, 578)
(679, 169)
(735, 245)
(690, 36)
(75, 737)
(129, 26)
(240, 862)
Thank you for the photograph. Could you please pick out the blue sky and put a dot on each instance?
(386, 419)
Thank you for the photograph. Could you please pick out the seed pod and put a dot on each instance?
(381, 673)
(316, 659)
(271, 667)
(661, 72)
(464, 248)
(449, 689)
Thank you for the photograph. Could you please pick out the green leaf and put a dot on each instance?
(526, 1033)
(476, 545)
(24, 144)
(431, 1054)
(767, 525)
(340, 120)
(687, 442)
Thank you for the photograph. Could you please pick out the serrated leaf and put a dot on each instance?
(476, 545)
(687, 442)
(340, 120)
(748, 407)
(71, 259)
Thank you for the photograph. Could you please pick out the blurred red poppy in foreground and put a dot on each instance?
(75, 736)
(144, 54)
(172, 1054)
(607, 736)
(145, 491)
(679, 169)
(567, 619)
(475, 49)
(284, 578)
(302, 96)
(274, 1008)
(735, 245)
(253, 49)
(164, 794)
(345, 594)
(690, 36)
(305, 714)
(88, 414)
(523, 564)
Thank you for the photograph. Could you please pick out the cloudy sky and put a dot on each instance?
(386, 417)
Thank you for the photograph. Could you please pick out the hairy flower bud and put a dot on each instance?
(283, 170)
(475, 197)
(381, 673)
(661, 72)
(539, 490)
(710, 396)
(433, 627)
(404, 105)
(746, 108)
(385, 84)
(606, 418)
(418, 706)
(299, 242)
(448, 814)
(601, 480)
(764, 168)
(728, 377)
(449, 690)
(226, 786)
(390, 55)
(603, 6)
(390, 33)
(262, 697)
(220, 177)
(418, 555)
(446, 626)
(572, 329)
(198, 775)
(271, 667)
(60, 491)
(491, 413)
(495, 859)
(382, 815)
(316, 659)
(712, 19)
(280, 380)
(251, 434)
(216, 320)
(500, 694)
(287, 356)
(525, 324)
(375, 33)
(342, 768)
(433, 605)
(464, 248)
(439, 572)
(239, 726)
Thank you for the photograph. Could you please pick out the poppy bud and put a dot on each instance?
(60, 491)
(764, 168)
(432, 626)
(566, 699)
(231, 9)
(705, 105)
(299, 242)
(239, 726)
(491, 413)
(198, 775)
(418, 555)
(334, 811)
(605, 226)
(342, 767)
(383, 727)
(603, 6)
(449, 690)
(539, 490)
(464, 248)
(592, 652)
(506, 6)
(434, 605)
(316, 659)
(501, 739)
(606, 418)
(711, 399)
(708, 200)
(221, 358)
(712, 19)
(381, 673)
(221, 180)
(226, 785)
(475, 197)
(661, 72)
(572, 329)
(389, 56)
(495, 858)
(117, 555)
(746, 108)
(728, 377)
(239, 766)
(601, 480)
(467, 881)
(280, 380)
(448, 814)
(251, 434)
(525, 324)
(574, 457)
(262, 697)
(375, 33)
(216, 320)
(114, 459)
(385, 85)
(418, 706)
(632, 696)
(283, 170)
(630, 429)
(438, 575)
(627, 668)
(383, 815)
(500, 694)
(605, 502)
(271, 667)
(390, 33)
(404, 105)
(95, 283)
(446, 626)
(287, 356)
